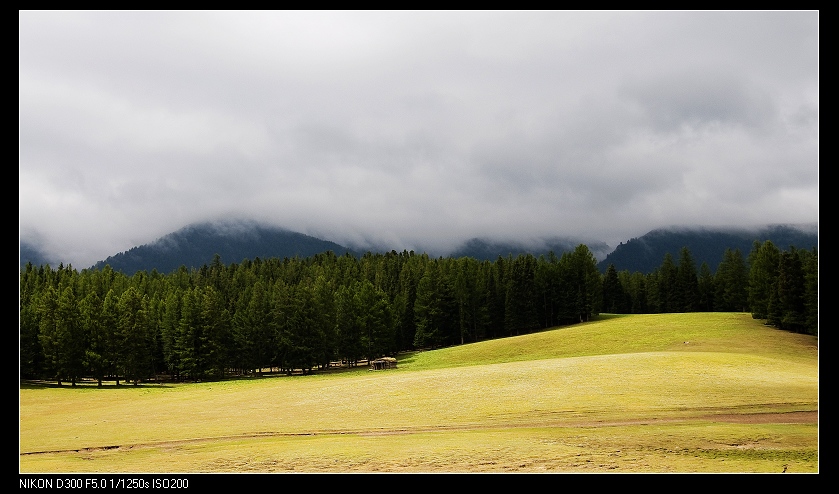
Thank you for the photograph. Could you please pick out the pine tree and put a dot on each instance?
(375, 317)
(112, 352)
(731, 283)
(31, 353)
(170, 331)
(216, 322)
(133, 331)
(96, 352)
(520, 308)
(192, 341)
(254, 331)
(323, 297)
(547, 291)
(636, 291)
(581, 285)
(429, 309)
(687, 282)
(706, 289)
(763, 277)
(613, 293)
(791, 291)
(61, 334)
(811, 292)
(661, 287)
(348, 324)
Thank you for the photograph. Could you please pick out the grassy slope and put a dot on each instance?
(618, 334)
(533, 403)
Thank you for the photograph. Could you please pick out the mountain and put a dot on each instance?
(489, 250)
(196, 245)
(32, 253)
(708, 245)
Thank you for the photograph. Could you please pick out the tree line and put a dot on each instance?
(301, 314)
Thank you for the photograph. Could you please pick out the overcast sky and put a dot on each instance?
(413, 129)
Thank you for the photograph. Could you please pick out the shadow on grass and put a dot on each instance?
(39, 384)
(89, 384)
(604, 317)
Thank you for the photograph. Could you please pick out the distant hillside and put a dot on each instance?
(707, 245)
(196, 245)
(31, 253)
(488, 250)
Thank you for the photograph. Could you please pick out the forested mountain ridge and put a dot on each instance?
(31, 253)
(196, 245)
(490, 250)
(706, 245)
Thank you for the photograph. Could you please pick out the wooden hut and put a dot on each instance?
(383, 363)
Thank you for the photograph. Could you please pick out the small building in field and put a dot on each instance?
(383, 363)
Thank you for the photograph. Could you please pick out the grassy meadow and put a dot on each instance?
(701, 392)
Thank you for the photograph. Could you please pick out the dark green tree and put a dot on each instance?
(732, 283)
(299, 328)
(170, 328)
(547, 289)
(706, 288)
(687, 283)
(217, 331)
(811, 292)
(348, 324)
(666, 294)
(61, 334)
(433, 309)
(97, 347)
(635, 286)
(791, 292)
(134, 336)
(403, 303)
(613, 292)
(31, 352)
(112, 352)
(192, 343)
(376, 322)
(764, 260)
(520, 312)
(325, 315)
(255, 334)
(496, 276)
(581, 293)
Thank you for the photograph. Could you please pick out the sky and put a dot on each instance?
(414, 130)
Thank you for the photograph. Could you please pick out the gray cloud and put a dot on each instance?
(414, 130)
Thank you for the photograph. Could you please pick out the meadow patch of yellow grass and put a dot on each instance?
(630, 393)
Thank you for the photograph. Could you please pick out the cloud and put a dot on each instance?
(413, 130)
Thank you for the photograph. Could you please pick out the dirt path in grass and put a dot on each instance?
(768, 418)
(808, 417)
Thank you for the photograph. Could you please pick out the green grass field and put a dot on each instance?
(643, 393)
